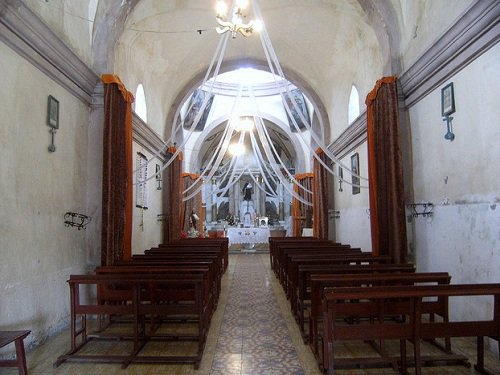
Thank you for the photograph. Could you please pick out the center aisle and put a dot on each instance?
(253, 338)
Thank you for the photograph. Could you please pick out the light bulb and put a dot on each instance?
(258, 25)
(236, 149)
(242, 4)
(221, 9)
(246, 124)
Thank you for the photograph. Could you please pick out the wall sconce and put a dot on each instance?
(341, 177)
(74, 219)
(158, 177)
(447, 108)
(424, 209)
(52, 120)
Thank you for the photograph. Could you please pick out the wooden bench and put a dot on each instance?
(144, 295)
(321, 283)
(382, 303)
(222, 243)
(211, 290)
(184, 252)
(287, 251)
(276, 242)
(347, 258)
(306, 270)
(16, 337)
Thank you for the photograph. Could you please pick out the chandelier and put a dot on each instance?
(235, 25)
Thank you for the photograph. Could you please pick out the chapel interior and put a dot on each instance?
(127, 124)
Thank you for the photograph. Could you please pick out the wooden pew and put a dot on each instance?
(293, 262)
(223, 243)
(306, 270)
(159, 266)
(382, 303)
(276, 242)
(16, 337)
(284, 252)
(145, 296)
(321, 283)
(191, 249)
(172, 258)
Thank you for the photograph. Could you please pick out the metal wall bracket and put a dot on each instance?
(421, 209)
(73, 219)
(449, 129)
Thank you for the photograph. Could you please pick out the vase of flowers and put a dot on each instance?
(231, 220)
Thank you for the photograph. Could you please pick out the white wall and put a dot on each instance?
(353, 225)
(459, 177)
(37, 251)
(72, 21)
(146, 229)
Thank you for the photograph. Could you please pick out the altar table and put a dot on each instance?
(248, 235)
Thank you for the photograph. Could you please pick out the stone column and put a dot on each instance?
(237, 199)
(281, 208)
(214, 201)
(256, 200)
(207, 187)
(262, 207)
(287, 198)
(231, 200)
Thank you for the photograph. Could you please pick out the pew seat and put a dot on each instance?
(382, 304)
(16, 337)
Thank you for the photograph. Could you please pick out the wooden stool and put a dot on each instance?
(7, 337)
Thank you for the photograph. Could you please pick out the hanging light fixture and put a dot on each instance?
(243, 124)
(235, 25)
(236, 149)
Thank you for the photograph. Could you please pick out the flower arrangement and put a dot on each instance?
(231, 220)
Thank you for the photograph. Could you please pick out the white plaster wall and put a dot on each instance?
(72, 21)
(146, 229)
(353, 225)
(37, 251)
(424, 21)
(463, 236)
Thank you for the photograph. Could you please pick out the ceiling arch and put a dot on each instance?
(233, 64)
(112, 15)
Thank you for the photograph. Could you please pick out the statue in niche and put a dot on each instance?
(247, 191)
(193, 220)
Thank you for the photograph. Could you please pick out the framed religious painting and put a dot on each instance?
(447, 100)
(355, 173)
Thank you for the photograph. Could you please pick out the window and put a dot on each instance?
(140, 104)
(353, 105)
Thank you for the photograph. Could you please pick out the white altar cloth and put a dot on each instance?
(248, 235)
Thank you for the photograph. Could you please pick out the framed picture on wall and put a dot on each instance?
(355, 173)
(53, 112)
(447, 100)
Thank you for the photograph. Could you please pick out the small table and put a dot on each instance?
(8, 337)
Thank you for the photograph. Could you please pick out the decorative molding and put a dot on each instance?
(147, 138)
(354, 136)
(475, 32)
(30, 37)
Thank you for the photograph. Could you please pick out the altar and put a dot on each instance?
(250, 236)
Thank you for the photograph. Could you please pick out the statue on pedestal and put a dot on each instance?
(247, 191)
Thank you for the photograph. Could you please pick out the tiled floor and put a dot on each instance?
(252, 333)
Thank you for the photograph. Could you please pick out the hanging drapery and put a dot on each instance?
(116, 241)
(193, 205)
(320, 197)
(387, 209)
(172, 196)
(302, 213)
